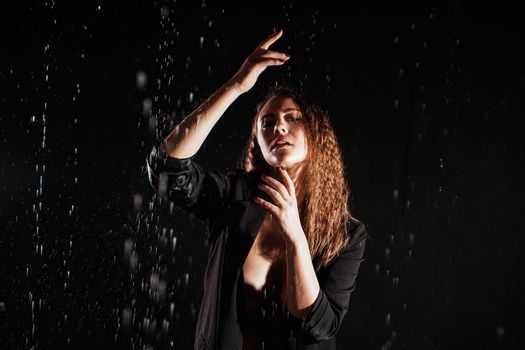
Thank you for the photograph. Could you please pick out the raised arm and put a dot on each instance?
(188, 136)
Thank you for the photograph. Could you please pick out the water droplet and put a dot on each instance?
(137, 201)
(164, 12)
(141, 80)
(127, 314)
(146, 106)
(154, 281)
(133, 261)
(128, 247)
(395, 281)
(165, 326)
(500, 333)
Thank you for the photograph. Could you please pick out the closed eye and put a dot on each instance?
(293, 119)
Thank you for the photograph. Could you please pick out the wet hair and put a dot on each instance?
(325, 211)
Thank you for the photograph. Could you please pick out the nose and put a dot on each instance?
(280, 125)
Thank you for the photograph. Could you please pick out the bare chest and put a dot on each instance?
(265, 265)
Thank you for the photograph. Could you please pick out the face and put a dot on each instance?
(280, 118)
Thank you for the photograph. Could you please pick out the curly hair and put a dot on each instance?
(325, 211)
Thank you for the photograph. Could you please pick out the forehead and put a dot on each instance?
(277, 104)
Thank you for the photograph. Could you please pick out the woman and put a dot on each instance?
(284, 251)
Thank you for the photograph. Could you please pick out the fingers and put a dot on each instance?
(267, 205)
(278, 186)
(265, 62)
(271, 39)
(288, 181)
(275, 54)
(276, 195)
(273, 62)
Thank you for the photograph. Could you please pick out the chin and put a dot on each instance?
(283, 160)
(284, 164)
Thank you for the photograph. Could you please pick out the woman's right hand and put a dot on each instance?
(244, 79)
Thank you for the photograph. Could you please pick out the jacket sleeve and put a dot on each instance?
(197, 191)
(337, 282)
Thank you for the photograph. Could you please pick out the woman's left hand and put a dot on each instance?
(284, 207)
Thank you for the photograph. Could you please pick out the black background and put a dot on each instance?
(426, 99)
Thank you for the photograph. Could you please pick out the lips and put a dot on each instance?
(281, 141)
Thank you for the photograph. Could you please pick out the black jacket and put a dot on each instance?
(223, 201)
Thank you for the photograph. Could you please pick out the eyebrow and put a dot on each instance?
(285, 111)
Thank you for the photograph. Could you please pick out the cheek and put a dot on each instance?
(261, 141)
(265, 137)
(305, 143)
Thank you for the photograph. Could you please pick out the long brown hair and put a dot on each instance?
(325, 212)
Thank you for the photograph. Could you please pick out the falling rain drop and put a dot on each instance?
(411, 239)
(154, 282)
(137, 202)
(500, 333)
(186, 279)
(128, 247)
(146, 106)
(165, 326)
(396, 195)
(396, 103)
(395, 281)
(141, 80)
(126, 318)
(164, 12)
(133, 262)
